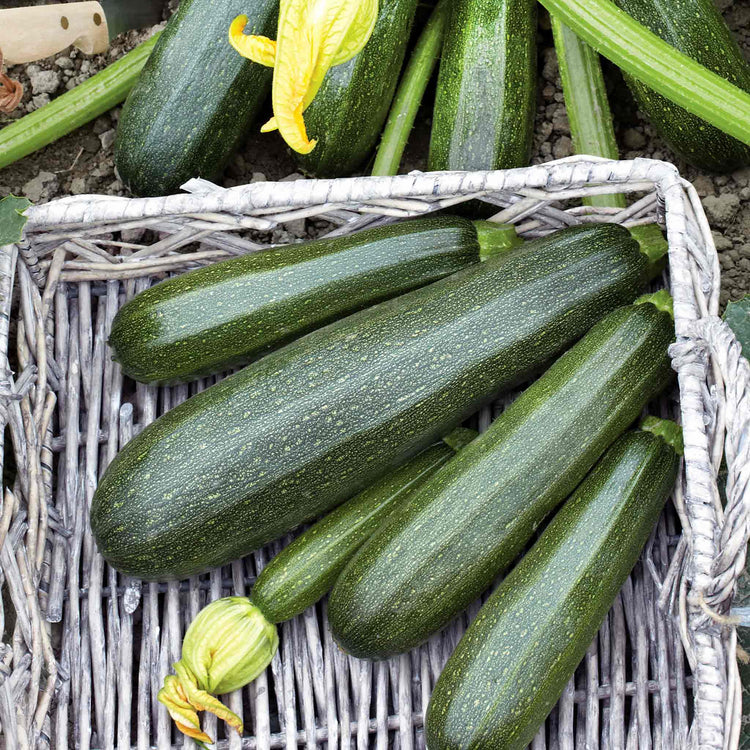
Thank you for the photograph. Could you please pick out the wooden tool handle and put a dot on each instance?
(28, 34)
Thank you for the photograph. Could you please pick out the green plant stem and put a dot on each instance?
(586, 103)
(410, 92)
(76, 107)
(642, 54)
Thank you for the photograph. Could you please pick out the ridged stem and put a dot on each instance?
(670, 432)
(642, 54)
(410, 92)
(460, 438)
(586, 103)
(76, 107)
(495, 239)
(662, 300)
(654, 246)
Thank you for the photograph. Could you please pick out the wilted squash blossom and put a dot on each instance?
(312, 36)
(227, 646)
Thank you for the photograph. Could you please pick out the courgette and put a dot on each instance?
(350, 109)
(305, 570)
(486, 92)
(195, 99)
(233, 640)
(438, 553)
(306, 427)
(229, 313)
(515, 659)
(696, 28)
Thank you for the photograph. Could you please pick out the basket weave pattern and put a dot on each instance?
(85, 649)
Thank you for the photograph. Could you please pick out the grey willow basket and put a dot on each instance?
(85, 650)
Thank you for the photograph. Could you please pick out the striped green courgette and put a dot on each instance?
(232, 312)
(486, 92)
(515, 659)
(308, 426)
(439, 552)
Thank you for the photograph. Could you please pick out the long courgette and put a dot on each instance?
(195, 99)
(438, 552)
(351, 107)
(515, 659)
(232, 312)
(306, 427)
(696, 28)
(304, 571)
(486, 92)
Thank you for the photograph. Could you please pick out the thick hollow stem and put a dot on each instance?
(410, 92)
(78, 106)
(642, 54)
(586, 103)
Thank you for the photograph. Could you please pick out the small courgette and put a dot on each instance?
(305, 570)
(229, 313)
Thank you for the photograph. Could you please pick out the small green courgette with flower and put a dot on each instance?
(313, 36)
(233, 640)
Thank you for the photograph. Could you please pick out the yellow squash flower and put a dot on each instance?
(312, 36)
(227, 645)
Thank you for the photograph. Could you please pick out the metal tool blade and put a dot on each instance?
(123, 15)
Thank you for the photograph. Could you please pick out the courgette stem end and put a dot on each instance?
(661, 300)
(495, 239)
(227, 646)
(670, 432)
(653, 245)
(460, 438)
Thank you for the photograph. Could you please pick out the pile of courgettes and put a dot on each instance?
(364, 357)
(196, 98)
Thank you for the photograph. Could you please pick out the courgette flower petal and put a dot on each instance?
(227, 645)
(313, 36)
(259, 49)
(182, 712)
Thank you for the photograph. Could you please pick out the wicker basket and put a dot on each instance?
(85, 649)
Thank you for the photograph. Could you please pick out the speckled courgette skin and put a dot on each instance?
(697, 28)
(486, 91)
(436, 554)
(306, 427)
(304, 571)
(233, 312)
(195, 98)
(349, 111)
(515, 659)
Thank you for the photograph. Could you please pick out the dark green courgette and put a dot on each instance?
(515, 659)
(232, 312)
(350, 109)
(195, 99)
(437, 553)
(304, 571)
(697, 28)
(240, 633)
(486, 91)
(306, 427)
